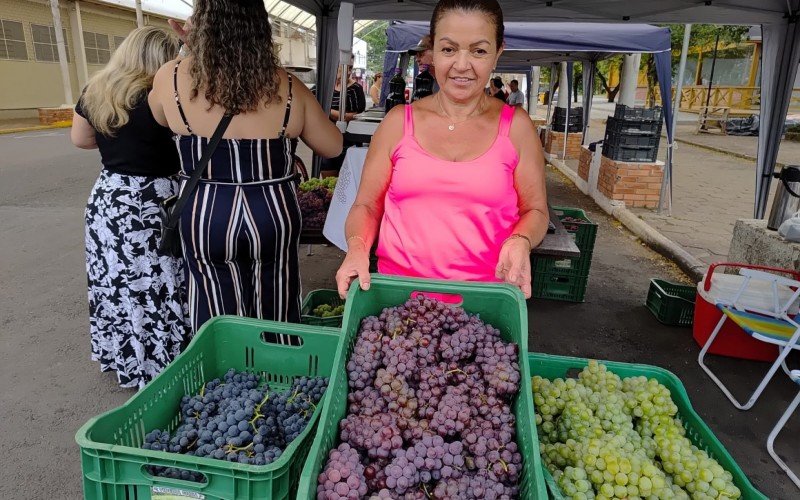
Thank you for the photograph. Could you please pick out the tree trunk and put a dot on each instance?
(611, 93)
(651, 81)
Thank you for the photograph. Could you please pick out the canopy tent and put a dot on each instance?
(778, 18)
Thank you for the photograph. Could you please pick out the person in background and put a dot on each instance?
(241, 226)
(478, 224)
(138, 315)
(355, 103)
(496, 88)
(375, 89)
(516, 97)
(424, 55)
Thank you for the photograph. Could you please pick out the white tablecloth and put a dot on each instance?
(344, 195)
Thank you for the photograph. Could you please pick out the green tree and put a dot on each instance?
(605, 67)
(375, 36)
(702, 36)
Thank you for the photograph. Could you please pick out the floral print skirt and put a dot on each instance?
(138, 313)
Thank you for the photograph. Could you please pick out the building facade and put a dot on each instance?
(30, 70)
(30, 73)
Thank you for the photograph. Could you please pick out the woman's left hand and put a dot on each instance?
(514, 265)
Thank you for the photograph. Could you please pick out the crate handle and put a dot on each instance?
(177, 482)
(282, 339)
(448, 298)
(712, 267)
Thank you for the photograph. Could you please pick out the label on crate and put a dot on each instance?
(563, 264)
(166, 493)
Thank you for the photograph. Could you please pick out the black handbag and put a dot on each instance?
(171, 208)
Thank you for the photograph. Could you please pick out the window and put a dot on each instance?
(12, 41)
(45, 47)
(97, 48)
(118, 41)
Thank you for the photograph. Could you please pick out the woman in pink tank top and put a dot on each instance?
(454, 183)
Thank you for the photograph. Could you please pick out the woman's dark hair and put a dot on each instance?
(235, 63)
(498, 82)
(489, 8)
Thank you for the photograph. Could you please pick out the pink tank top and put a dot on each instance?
(446, 219)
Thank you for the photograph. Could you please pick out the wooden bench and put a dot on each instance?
(711, 119)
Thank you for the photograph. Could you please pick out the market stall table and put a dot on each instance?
(557, 242)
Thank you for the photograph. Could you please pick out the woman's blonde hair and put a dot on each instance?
(113, 91)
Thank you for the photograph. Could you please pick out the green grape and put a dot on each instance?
(605, 437)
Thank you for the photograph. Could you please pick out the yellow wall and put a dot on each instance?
(31, 84)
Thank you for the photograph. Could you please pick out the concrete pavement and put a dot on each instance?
(713, 186)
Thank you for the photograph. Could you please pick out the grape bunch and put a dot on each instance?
(327, 310)
(328, 183)
(238, 419)
(605, 437)
(429, 409)
(314, 197)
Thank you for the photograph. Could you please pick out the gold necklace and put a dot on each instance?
(453, 124)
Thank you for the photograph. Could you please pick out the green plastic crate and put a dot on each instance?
(500, 305)
(671, 303)
(584, 233)
(317, 298)
(563, 267)
(557, 286)
(552, 367)
(115, 467)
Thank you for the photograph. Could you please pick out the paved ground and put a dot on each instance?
(711, 190)
(49, 387)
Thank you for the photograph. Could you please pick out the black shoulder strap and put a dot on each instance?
(288, 106)
(177, 97)
(191, 184)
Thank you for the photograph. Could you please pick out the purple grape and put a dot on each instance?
(343, 475)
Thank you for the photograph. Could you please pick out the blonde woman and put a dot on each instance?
(138, 314)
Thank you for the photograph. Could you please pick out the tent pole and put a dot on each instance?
(550, 96)
(533, 98)
(666, 181)
(711, 78)
(566, 72)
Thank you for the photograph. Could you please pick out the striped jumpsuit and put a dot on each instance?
(241, 229)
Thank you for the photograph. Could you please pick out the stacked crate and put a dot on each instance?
(566, 279)
(633, 134)
(575, 120)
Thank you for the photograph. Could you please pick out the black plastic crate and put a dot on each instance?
(630, 154)
(571, 128)
(633, 127)
(633, 113)
(632, 141)
(560, 113)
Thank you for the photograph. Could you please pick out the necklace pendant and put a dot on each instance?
(451, 127)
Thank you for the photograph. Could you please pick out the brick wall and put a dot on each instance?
(555, 144)
(584, 162)
(538, 121)
(48, 116)
(637, 184)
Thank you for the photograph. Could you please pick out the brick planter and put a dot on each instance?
(555, 144)
(584, 162)
(49, 116)
(637, 184)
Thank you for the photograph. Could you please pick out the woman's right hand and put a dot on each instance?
(355, 265)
